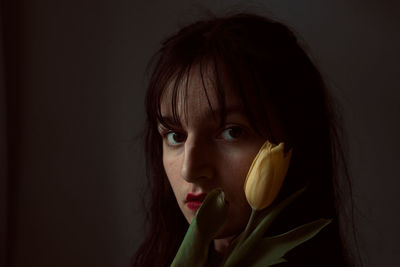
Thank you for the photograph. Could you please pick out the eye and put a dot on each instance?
(174, 138)
(232, 133)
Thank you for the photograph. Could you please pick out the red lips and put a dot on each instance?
(194, 201)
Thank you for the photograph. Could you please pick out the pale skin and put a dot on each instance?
(199, 155)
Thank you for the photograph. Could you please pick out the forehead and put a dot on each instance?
(197, 95)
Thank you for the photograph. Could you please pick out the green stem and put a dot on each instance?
(248, 228)
(252, 235)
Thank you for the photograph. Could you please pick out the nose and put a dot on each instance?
(198, 161)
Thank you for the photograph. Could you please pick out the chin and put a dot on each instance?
(227, 231)
(189, 217)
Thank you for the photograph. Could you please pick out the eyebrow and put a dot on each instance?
(233, 109)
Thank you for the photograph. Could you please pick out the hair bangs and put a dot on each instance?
(175, 87)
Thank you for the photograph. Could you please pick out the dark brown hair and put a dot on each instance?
(277, 81)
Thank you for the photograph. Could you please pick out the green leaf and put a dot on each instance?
(209, 218)
(212, 213)
(271, 249)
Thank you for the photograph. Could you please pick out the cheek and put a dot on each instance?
(172, 170)
(239, 162)
(234, 177)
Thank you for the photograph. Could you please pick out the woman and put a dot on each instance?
(219, 89)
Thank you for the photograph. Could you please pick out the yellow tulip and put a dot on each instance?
(266, 174)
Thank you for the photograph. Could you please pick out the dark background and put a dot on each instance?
(72, 87)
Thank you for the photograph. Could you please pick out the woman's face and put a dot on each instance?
(200, 155)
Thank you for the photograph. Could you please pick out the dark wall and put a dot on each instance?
(3, 153)
(75, 93)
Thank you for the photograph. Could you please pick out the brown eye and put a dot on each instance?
(174, 138)
(232, 133)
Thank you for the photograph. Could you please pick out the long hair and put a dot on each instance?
(278, 83)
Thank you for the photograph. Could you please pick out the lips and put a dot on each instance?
(194, 201)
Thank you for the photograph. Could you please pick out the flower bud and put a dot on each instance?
(266, 175)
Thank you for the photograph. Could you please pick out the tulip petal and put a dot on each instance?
(266, 175)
